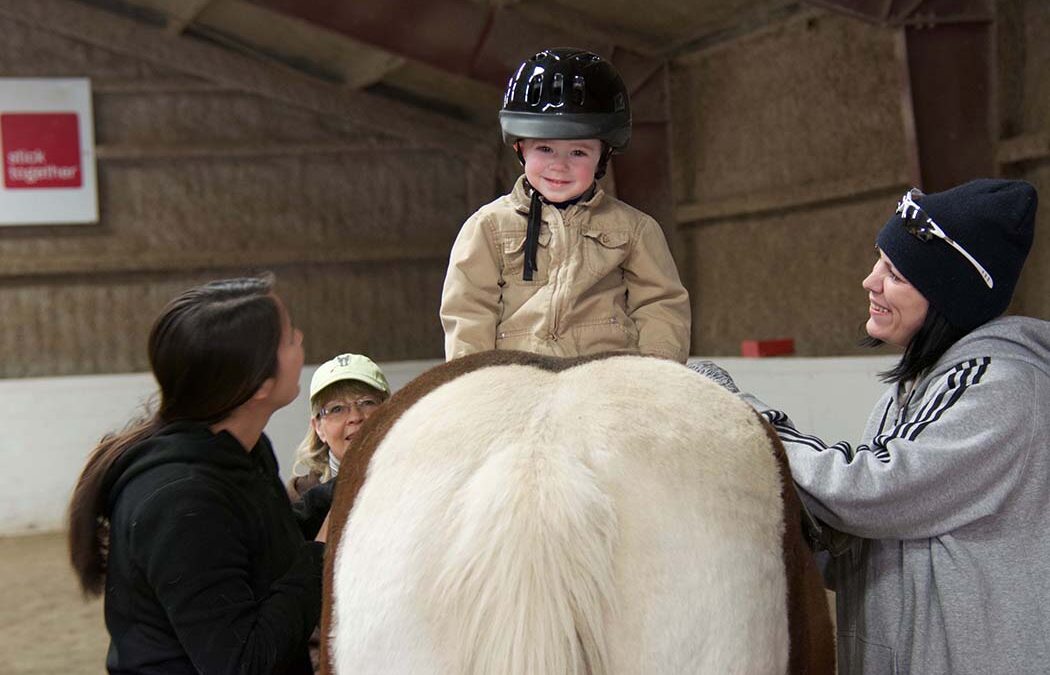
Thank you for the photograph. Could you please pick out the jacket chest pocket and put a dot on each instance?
(604, 251)
(512, 247)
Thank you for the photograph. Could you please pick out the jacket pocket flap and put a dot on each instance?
(515, 243)
(608, 239)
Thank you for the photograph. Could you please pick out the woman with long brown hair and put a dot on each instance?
(182, 520)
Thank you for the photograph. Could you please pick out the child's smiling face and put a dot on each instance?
(561, 169)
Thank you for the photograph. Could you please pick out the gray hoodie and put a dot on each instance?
(948, 498)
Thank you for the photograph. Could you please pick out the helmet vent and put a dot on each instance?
(558, 90)
(579, 90)
(534, 89)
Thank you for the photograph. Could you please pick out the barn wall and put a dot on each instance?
(794, 147)
(792, 150)
(198, 180)
(1031, 112)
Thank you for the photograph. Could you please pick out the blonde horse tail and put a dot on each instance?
(526, 583)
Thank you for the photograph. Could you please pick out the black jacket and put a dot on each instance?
(208, 568)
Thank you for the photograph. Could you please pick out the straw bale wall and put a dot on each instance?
(795, 147)
(790, 147)
(200, 181)
(791, 152)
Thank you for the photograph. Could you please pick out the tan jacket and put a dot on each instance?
(606, 281)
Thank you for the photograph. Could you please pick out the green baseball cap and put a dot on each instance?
(348, 367)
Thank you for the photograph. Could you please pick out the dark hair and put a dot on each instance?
(210, 350)
(929, 343)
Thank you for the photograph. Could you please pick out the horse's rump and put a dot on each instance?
(621, 515)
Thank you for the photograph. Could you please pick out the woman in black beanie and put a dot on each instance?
(938, 521)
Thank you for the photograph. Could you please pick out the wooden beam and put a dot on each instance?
(762, 19)
(789, 198)
(916, 13)
(137, 152)
(689, 54)
(155, 85)
(347, 108)
(457, 36)
(250, 27)
(949, 92)
(184, 13)
(590, 28)
(644, 172)
(119, 261)
(1024, 148)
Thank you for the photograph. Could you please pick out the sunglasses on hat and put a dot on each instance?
(919, 224)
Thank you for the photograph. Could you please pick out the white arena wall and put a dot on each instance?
(49, 425)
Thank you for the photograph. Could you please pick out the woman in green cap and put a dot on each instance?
(344, 392)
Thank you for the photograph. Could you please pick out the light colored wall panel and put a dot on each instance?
(831, 397)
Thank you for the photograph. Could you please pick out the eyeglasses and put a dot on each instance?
(919, 224)
(339, 410)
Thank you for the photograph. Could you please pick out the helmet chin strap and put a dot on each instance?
(532, 236)
(603, 162)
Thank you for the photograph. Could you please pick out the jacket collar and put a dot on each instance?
(520, 196)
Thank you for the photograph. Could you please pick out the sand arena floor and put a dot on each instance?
(46, 626)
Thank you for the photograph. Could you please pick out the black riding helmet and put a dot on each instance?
(566, 94)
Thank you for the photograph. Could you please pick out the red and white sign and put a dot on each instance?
(41, 150)
(47, 152)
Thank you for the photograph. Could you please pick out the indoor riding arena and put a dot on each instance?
(153, 146)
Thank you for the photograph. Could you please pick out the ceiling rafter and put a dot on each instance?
(761, 18)
(916, 13)
(590, 28)
(297, 43)
(184, 13)
(458, 36)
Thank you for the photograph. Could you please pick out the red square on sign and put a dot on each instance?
(41, 150)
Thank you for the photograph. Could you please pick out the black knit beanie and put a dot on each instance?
(990, 219)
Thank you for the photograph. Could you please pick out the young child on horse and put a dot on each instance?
(558, 266)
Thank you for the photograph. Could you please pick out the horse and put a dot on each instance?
(521, 514)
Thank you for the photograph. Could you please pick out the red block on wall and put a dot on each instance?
(779, 347)
(41, 150)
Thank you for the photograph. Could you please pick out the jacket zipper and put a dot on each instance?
(554, 278)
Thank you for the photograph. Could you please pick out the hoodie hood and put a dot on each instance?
(1018, 338)
(188, 443)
